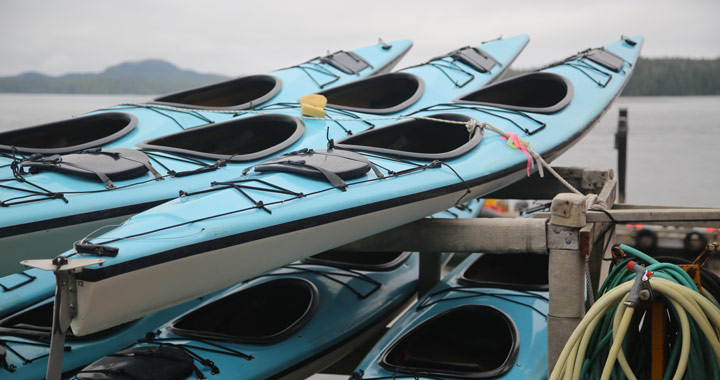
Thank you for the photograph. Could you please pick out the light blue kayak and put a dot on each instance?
(486, 319)
(125, 125)
(287, 323)
(24, 334)
(311, 200)
(25, 339)
(52, 201)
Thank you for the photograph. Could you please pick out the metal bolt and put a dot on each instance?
(644, 294)
(568, 240)
(556, 230)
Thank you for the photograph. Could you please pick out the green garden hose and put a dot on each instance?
(613, 340)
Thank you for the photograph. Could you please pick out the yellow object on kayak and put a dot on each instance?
(313, 105)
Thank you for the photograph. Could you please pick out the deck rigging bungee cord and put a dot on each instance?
(612, 328)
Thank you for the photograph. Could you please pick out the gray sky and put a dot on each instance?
(241, 37)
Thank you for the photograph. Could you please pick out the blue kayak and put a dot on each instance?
(313, 199)
(486, 319)
(125, 125)
(287, 323)
(25, 339)
(51, 201)
(25, 333)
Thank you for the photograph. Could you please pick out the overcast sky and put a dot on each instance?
(243, 37)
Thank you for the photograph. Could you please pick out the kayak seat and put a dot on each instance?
(539, 92)
(70, 135)
(469, 341)
(605, 58)
(419, 139)
(162, 362)
(382, 94)
(333, 165)
(519, 271)
(262, 314)
(365, 261)
(100, 164)
(346, 61)
(235, 94)
(235, 140)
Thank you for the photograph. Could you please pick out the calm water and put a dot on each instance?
(673, 155)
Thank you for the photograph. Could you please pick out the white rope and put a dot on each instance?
(471, 125)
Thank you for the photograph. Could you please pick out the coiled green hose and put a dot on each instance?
(613, 340)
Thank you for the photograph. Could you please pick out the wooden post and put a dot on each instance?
(430, 271)
(566, 271)
(621, 146)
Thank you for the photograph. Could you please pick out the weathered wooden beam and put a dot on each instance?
(698, 217)
(492, 235)
(630, 206)
(566, 273)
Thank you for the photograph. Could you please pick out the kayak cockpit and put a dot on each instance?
(262, 314)
(69, 135)
(366, 261)
(382, 94)
(236, 140)
(441, 136)
(539, 92)
(418, 138)
(235, 94)
(469, 341)
(522, 271)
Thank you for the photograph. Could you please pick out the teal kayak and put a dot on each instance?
(321, 196)
(486, 319)
(51, 201)
(125, 125)
(292, 321)
(25, 334)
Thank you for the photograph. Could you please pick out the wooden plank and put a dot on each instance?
(667, 216)
(492, 235)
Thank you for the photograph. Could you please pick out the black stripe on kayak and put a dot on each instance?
(113, 270)
(65, 221)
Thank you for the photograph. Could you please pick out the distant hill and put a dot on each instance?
(151, 76)
(668, 77)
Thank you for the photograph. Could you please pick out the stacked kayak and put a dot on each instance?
(54, 200)
(310, 200)
(25, 333)
(25, 339)
(287, 323)
(127, 124)
(486, 319)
